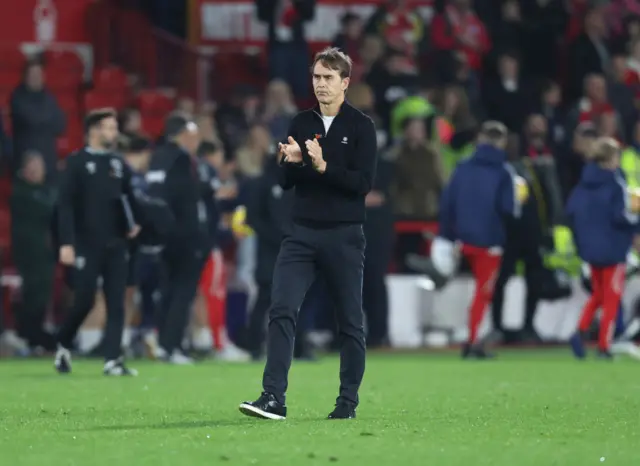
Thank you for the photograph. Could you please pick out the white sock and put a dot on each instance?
(88, 339)
(127, 333)
(201, 339)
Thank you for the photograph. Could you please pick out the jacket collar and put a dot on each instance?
(345, 108)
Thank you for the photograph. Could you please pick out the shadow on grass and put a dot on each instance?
(241, 421)
(53, 375)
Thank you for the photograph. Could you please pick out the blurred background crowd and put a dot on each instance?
(558, 73)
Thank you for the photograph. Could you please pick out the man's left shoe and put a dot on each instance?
(117, 368)
(342, 411)
(470, 351)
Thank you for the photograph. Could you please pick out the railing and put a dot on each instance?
(126, 37)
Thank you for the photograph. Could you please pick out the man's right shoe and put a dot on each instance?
(265, 407)
(62, 362)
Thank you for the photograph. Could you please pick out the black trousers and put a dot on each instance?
(258, 322)
(379, 234)
(37, 287)
(529, 254)
(179, 284)
(338, 254)
(92, 262)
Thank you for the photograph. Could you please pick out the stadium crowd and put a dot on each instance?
(556, 73)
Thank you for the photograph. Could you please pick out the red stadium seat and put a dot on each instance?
(101, 99)
(154, 102)
(59, 80)
(110, 78)
(69, 102)
(73, 136)
(5, 228)
(153, 125)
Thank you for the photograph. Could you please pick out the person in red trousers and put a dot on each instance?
(603, 216)
(482, 192)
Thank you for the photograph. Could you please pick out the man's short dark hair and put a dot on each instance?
(207, 148)
(95, 117)
(175, 124)
(139, 144)
(334, 59)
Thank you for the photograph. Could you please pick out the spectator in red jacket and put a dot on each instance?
(458, 28)
(595, 101)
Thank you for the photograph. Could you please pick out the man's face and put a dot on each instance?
(597, 88)
(327, 84)
(508, 68)
(108, 132)
(34, 78)
(34, 170)
(191, 138)
(416, 131)
(215, 159)
(353, 28)
(552, 96)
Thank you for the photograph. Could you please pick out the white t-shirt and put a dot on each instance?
(327, 120)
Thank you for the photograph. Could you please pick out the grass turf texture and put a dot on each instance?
(528, 408)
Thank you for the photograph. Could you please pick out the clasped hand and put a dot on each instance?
(293, 154)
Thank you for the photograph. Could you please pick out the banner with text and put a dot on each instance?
(235, 23)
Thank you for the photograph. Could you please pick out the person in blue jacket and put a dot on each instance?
(483, 191)
(603, 215)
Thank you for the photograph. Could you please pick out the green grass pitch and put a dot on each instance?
(526, 409)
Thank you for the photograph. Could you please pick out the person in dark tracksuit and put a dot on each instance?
(96, 213)
(269, 210)
(173, 177)
(330, 159)
(524, 238)
(32, 205)
(378, 229)
(603, 216)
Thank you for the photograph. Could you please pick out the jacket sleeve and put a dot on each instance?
(507, 195)
(442, 36)
(447, 213)
(621, 203)
(131, 198)
(257, 215)
(305, 8)
(68, 192)
(169, 184)
(360, 179)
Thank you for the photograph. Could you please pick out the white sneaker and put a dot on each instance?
(15, 344)
(625, 347)
(117, 368)
(153, 348)
(62, 362)
(231, 353)
(180, 359)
